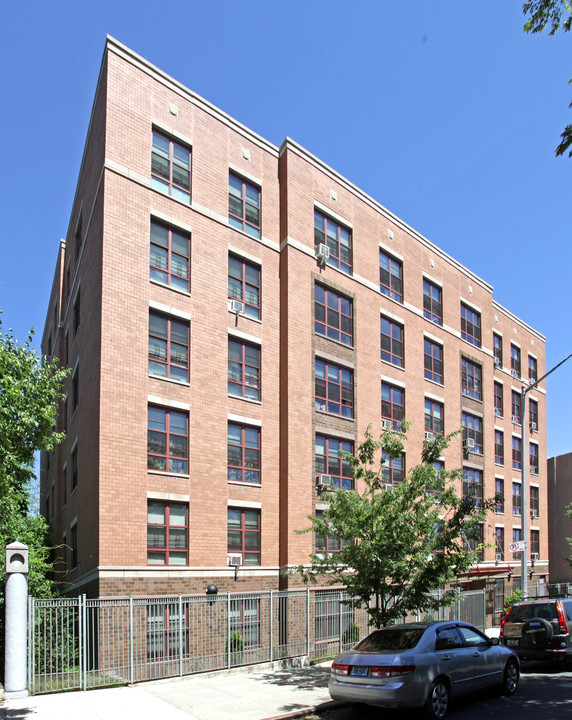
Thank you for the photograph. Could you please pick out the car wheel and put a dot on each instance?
(510, 679)
(438, 700)
(537, 633)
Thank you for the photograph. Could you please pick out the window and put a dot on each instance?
(473, 429)
(473, 541)
(244, 285)
(164, 628)
(533, 415)
(533, 458)
(170, 255)
(78, 237)
(338, 239)
(499, 495)
(470, 325)
(328, 612)
(471, 379)
(167, 441)
(534, 504)
(499, 542)
(516, 499)
(499, 447)
(433, 361)
(167, 533)
(74, 472)
(243, 370)
(515, 407)
(245, 620)
(329, 462)
(392, 404)
(434, 415)
(432, 303)
(243, 453)
(75, 389)
(328, 544)
(516, 537)
(76, 312)
(243, 205)
(535, 542)
(243, 532)
(333, 315)
(473, 485)
(515, 360)
(497, 349)
(390, 276)
(168, 347)
(73, 545)
(532, 368)
(498, 398)
(334, 388)
(392, 342)
(392, 470)
(516, 453)
(171, 167)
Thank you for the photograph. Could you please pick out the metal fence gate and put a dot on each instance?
(79, 644)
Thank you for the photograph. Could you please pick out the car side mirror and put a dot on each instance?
(494, 641)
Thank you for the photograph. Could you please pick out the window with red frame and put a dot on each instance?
(533, 458)
(168, 347)
(243, 532)
(243, 370)
(333, 315)
(334, 389)
(498, 399)
(497, 348)
(499, 447)
(499, 495)
(473, 428)
(532, 368)
(515, 407)
(171, 167)
(433, 361)
(167, 441)
(516, 499)
(516, 453)
(533, 415)
(473, 485)
(515, 359)
(245, 620)
(516, 537)
(165, 627)
(499, 542)
(328, 544)
(535, 542)
(432, 302)
(434, 416)
(243, 453)
(534, 502)
(392, 469)
(390, 276)
(392, 404)
(392, 347)
(329, 462)
(338, 239)
(244, 285)
(167, 533)
(470, 325)
(243, 205)
(170, 256)
(473, 541)
(471, 379)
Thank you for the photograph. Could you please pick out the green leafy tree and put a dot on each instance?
(551, 14)
(30, 390)
(398, 544)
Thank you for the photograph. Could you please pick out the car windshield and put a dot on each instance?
(391, 640)
(522, 613)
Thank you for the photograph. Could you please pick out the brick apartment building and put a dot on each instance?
(234, 313)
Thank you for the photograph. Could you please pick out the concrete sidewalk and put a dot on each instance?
(260, 694)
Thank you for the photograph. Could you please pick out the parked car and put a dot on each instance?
(539, 629)
(422, 665)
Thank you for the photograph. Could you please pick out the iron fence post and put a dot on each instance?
(180, 635)
(308, 622)
(271, 627)
(131, 668)
(228, 629)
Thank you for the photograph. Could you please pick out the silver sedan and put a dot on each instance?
(422, 665)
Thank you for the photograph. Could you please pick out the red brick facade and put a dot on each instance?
(103, 279)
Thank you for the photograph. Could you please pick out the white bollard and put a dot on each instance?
(16, 635)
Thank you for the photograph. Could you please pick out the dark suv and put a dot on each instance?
(539, 629)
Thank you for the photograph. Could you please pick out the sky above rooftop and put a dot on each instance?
(445, 112)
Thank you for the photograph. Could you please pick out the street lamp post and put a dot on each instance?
(524, 555)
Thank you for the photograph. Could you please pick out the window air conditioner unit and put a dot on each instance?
(469, 443)
(386, 424)
(323, 481)
(497, 362)
(322, 253)
(516, 419)
(497, 412)
(515, 374)
(532, 427)
(430, 435)
(234, 561)
(498, 557)
(236, 306)
(534, 556)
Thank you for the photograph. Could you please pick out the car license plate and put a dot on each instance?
(512, 642)
(359, 670)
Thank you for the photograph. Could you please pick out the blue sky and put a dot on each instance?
(443, 111)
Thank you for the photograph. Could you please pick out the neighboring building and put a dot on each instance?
(234, 313)
(560, 527)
